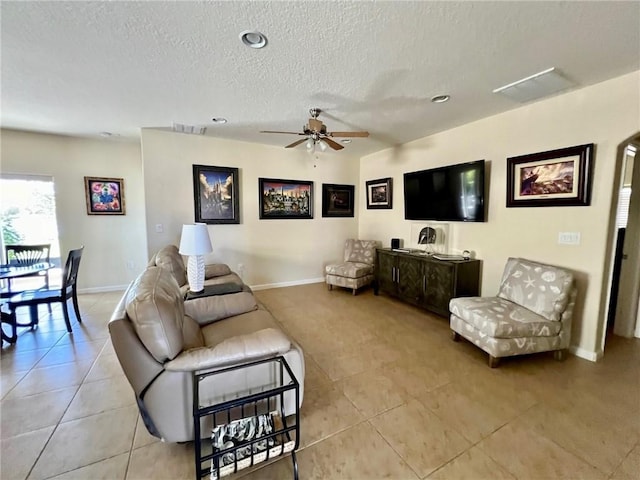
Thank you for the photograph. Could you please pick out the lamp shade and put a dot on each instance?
(195, 240)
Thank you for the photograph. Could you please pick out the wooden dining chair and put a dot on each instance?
(26, 255)
(33, 298)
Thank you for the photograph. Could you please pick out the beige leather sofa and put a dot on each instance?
(160, 340)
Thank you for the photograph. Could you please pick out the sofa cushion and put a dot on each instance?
(350, 269)
(155, 307)
(239, 349)
(361, 251)
(216, 307)
(170, 259)
(543, 289)
(500, 318)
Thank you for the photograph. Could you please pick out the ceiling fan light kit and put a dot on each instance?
(317, 134)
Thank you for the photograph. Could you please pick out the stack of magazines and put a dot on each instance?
(241, 431)
(242, 435)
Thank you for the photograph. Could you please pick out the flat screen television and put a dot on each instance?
(454, 193)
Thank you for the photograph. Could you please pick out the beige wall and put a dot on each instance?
(272, 252)
(159, 190)
(110, 241)
(604, 114)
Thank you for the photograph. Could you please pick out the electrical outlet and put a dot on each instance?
(130, 264)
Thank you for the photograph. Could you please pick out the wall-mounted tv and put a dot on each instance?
(454, 193)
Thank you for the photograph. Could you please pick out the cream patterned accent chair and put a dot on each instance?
(531, 313)
(357, 270)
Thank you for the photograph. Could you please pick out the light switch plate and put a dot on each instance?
(569, 238)
(159, 228)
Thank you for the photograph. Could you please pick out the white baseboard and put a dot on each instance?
(111, 288)
(586, 354)
(287, 284)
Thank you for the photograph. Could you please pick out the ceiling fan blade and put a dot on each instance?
(348, 134)
(332, 143)
(289, 133)
(295, 144)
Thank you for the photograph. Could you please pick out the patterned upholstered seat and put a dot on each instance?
(531, 313)
(357, 270)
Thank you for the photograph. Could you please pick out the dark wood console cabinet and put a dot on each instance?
(424, 281)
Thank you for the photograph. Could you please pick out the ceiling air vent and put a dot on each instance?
(536, 86)
(192, 129)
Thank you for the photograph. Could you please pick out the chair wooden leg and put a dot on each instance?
(329, 286)
(33, 314)
(75, 306)
(560, 355)
(493, 361)
(455, 336)
(10, 319)
(65, 311)
(354, 291)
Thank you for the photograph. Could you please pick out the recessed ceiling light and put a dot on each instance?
(440, 98)
(253, 39)
(219, 120)
(346, 140)
(106, 134)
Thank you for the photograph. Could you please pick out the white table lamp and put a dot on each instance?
(195, 243)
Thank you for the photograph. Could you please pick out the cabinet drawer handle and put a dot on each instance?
(424, 283)
(398, 275)
(393, 274)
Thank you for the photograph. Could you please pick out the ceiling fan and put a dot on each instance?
(316, 134)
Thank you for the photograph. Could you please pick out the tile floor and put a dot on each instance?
(387, 395)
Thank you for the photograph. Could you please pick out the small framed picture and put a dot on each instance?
(104, 196)
(380, 193)
(216, 194)
(285, 198)
(551, 179)
(337, 200)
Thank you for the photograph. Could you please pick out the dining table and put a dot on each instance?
(10, 272)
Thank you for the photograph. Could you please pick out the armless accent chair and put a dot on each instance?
(531, 313)
(33, 298)
(357, 269)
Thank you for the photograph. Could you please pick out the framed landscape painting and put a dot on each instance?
(337, 200)
(380, 193)
(104, 196)
(285, 198)
(216, 194)
(551, 179)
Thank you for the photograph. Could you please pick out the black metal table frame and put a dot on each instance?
(9, 272)
(242, 402)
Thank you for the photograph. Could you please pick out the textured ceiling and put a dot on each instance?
(81, 68)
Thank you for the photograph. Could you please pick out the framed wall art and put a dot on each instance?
(285, 198)
(104, 196)
(337, 200)
(380, 193)
(551, 179)
(216, 194)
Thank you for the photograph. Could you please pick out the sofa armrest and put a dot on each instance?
(209, 309)
(240, 349)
